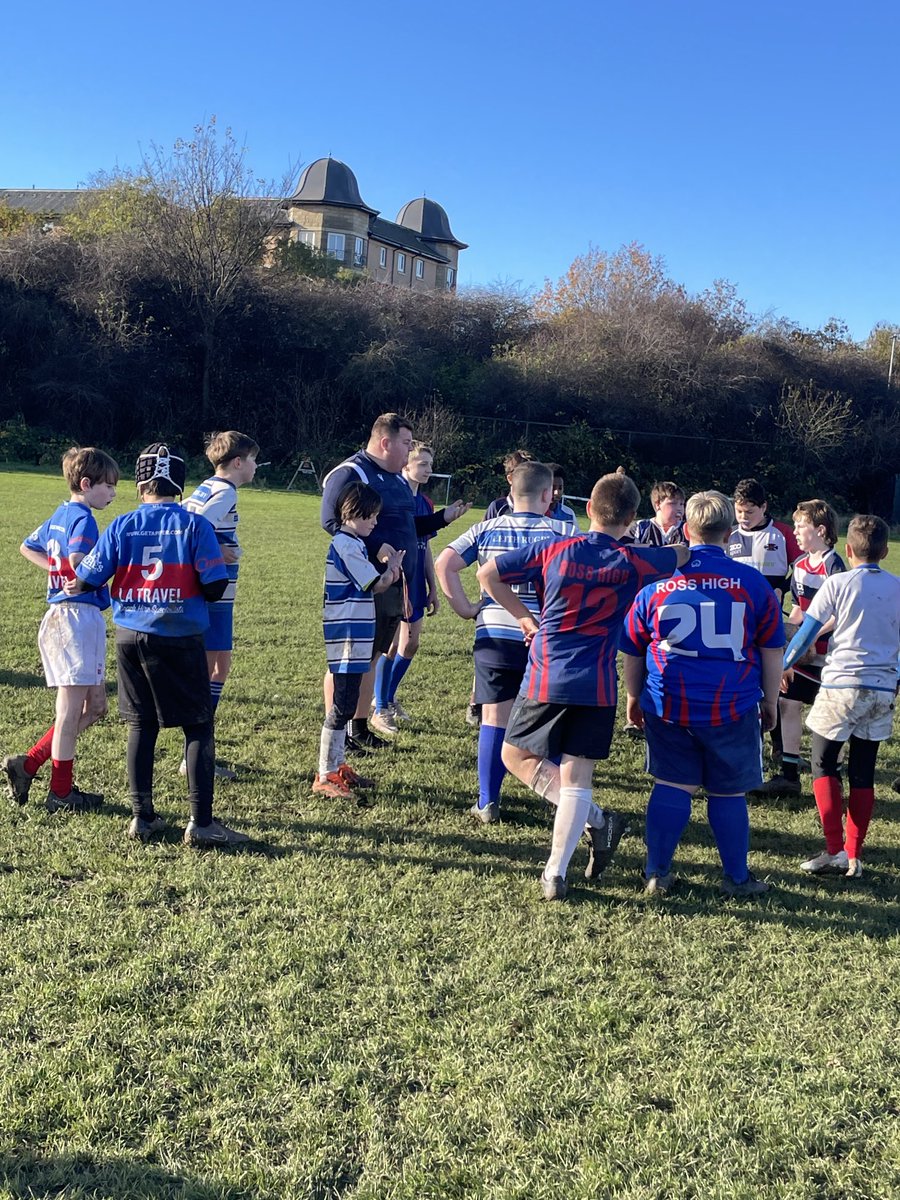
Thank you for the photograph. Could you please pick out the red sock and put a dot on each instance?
(830, 803)
(61, 777)
(859, 814)
(39, 753)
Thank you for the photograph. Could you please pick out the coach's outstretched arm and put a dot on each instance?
(490, 580)
(447, 567)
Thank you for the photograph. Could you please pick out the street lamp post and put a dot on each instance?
(891, 363)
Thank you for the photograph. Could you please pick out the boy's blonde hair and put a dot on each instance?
(819, 512)
(614, 499)
(421, 448)
(87, 462)
(709, 515)
(221, 448)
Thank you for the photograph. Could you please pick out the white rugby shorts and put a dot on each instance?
(841, 713)
(72, 642)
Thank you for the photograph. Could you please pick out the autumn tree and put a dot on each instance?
(211, 220)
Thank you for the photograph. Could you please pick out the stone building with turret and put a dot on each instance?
(327, 213)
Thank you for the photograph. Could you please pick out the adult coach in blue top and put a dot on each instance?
(381, 465)
(703, 660)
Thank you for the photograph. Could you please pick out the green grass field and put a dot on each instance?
(375, 1002)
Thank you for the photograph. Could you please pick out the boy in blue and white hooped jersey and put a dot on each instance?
(233, 456)
(565, 711)
(165, 565)
(72, 637)
(703, 654)
(348, 622)
(501, 654)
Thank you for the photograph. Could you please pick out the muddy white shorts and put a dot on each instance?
(72, 642)
(839, 713)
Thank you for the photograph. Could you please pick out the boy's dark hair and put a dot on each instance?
(357, 501)
(221, 448)
(614, 499)
(665, 489)
(514, 458)
(87, 462)
(530, 479)
(750, 491)
(159, 471)
(556, 468)
(819, 512)
(389, 425)
(867, 537)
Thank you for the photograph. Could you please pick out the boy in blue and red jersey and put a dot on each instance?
(165, 564)
(72, 637)
(567, 704)
(702, 648)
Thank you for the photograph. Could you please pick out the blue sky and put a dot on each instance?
(754, 142)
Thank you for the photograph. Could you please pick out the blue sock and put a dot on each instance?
(215, 693)
(401, 666)
(668, 812)
(383, 669)
(730, 823)
(490, 765)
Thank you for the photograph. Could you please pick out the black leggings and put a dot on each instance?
(346, 698)
(860, 760)
(199, 754)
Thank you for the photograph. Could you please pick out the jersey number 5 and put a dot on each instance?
(155, 564)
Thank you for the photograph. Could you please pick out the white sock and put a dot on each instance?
(596, 817)
(571, 814)
(338, 744)
(331, 750)
(545, 781)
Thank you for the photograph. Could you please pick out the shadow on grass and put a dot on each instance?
(31, 1177)
(20, 679)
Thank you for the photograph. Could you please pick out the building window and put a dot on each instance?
(359, 252)
(420, 269)
(401, 264)
(307, 237)
(382, 257)
(335, 245)
(451, 275)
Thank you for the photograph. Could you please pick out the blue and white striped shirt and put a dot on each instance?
(498, 638)
(348, 613)
(216, 499)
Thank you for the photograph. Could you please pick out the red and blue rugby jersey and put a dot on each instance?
(157, 556)
(701, 632)
(588, 583)
(71, 530)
